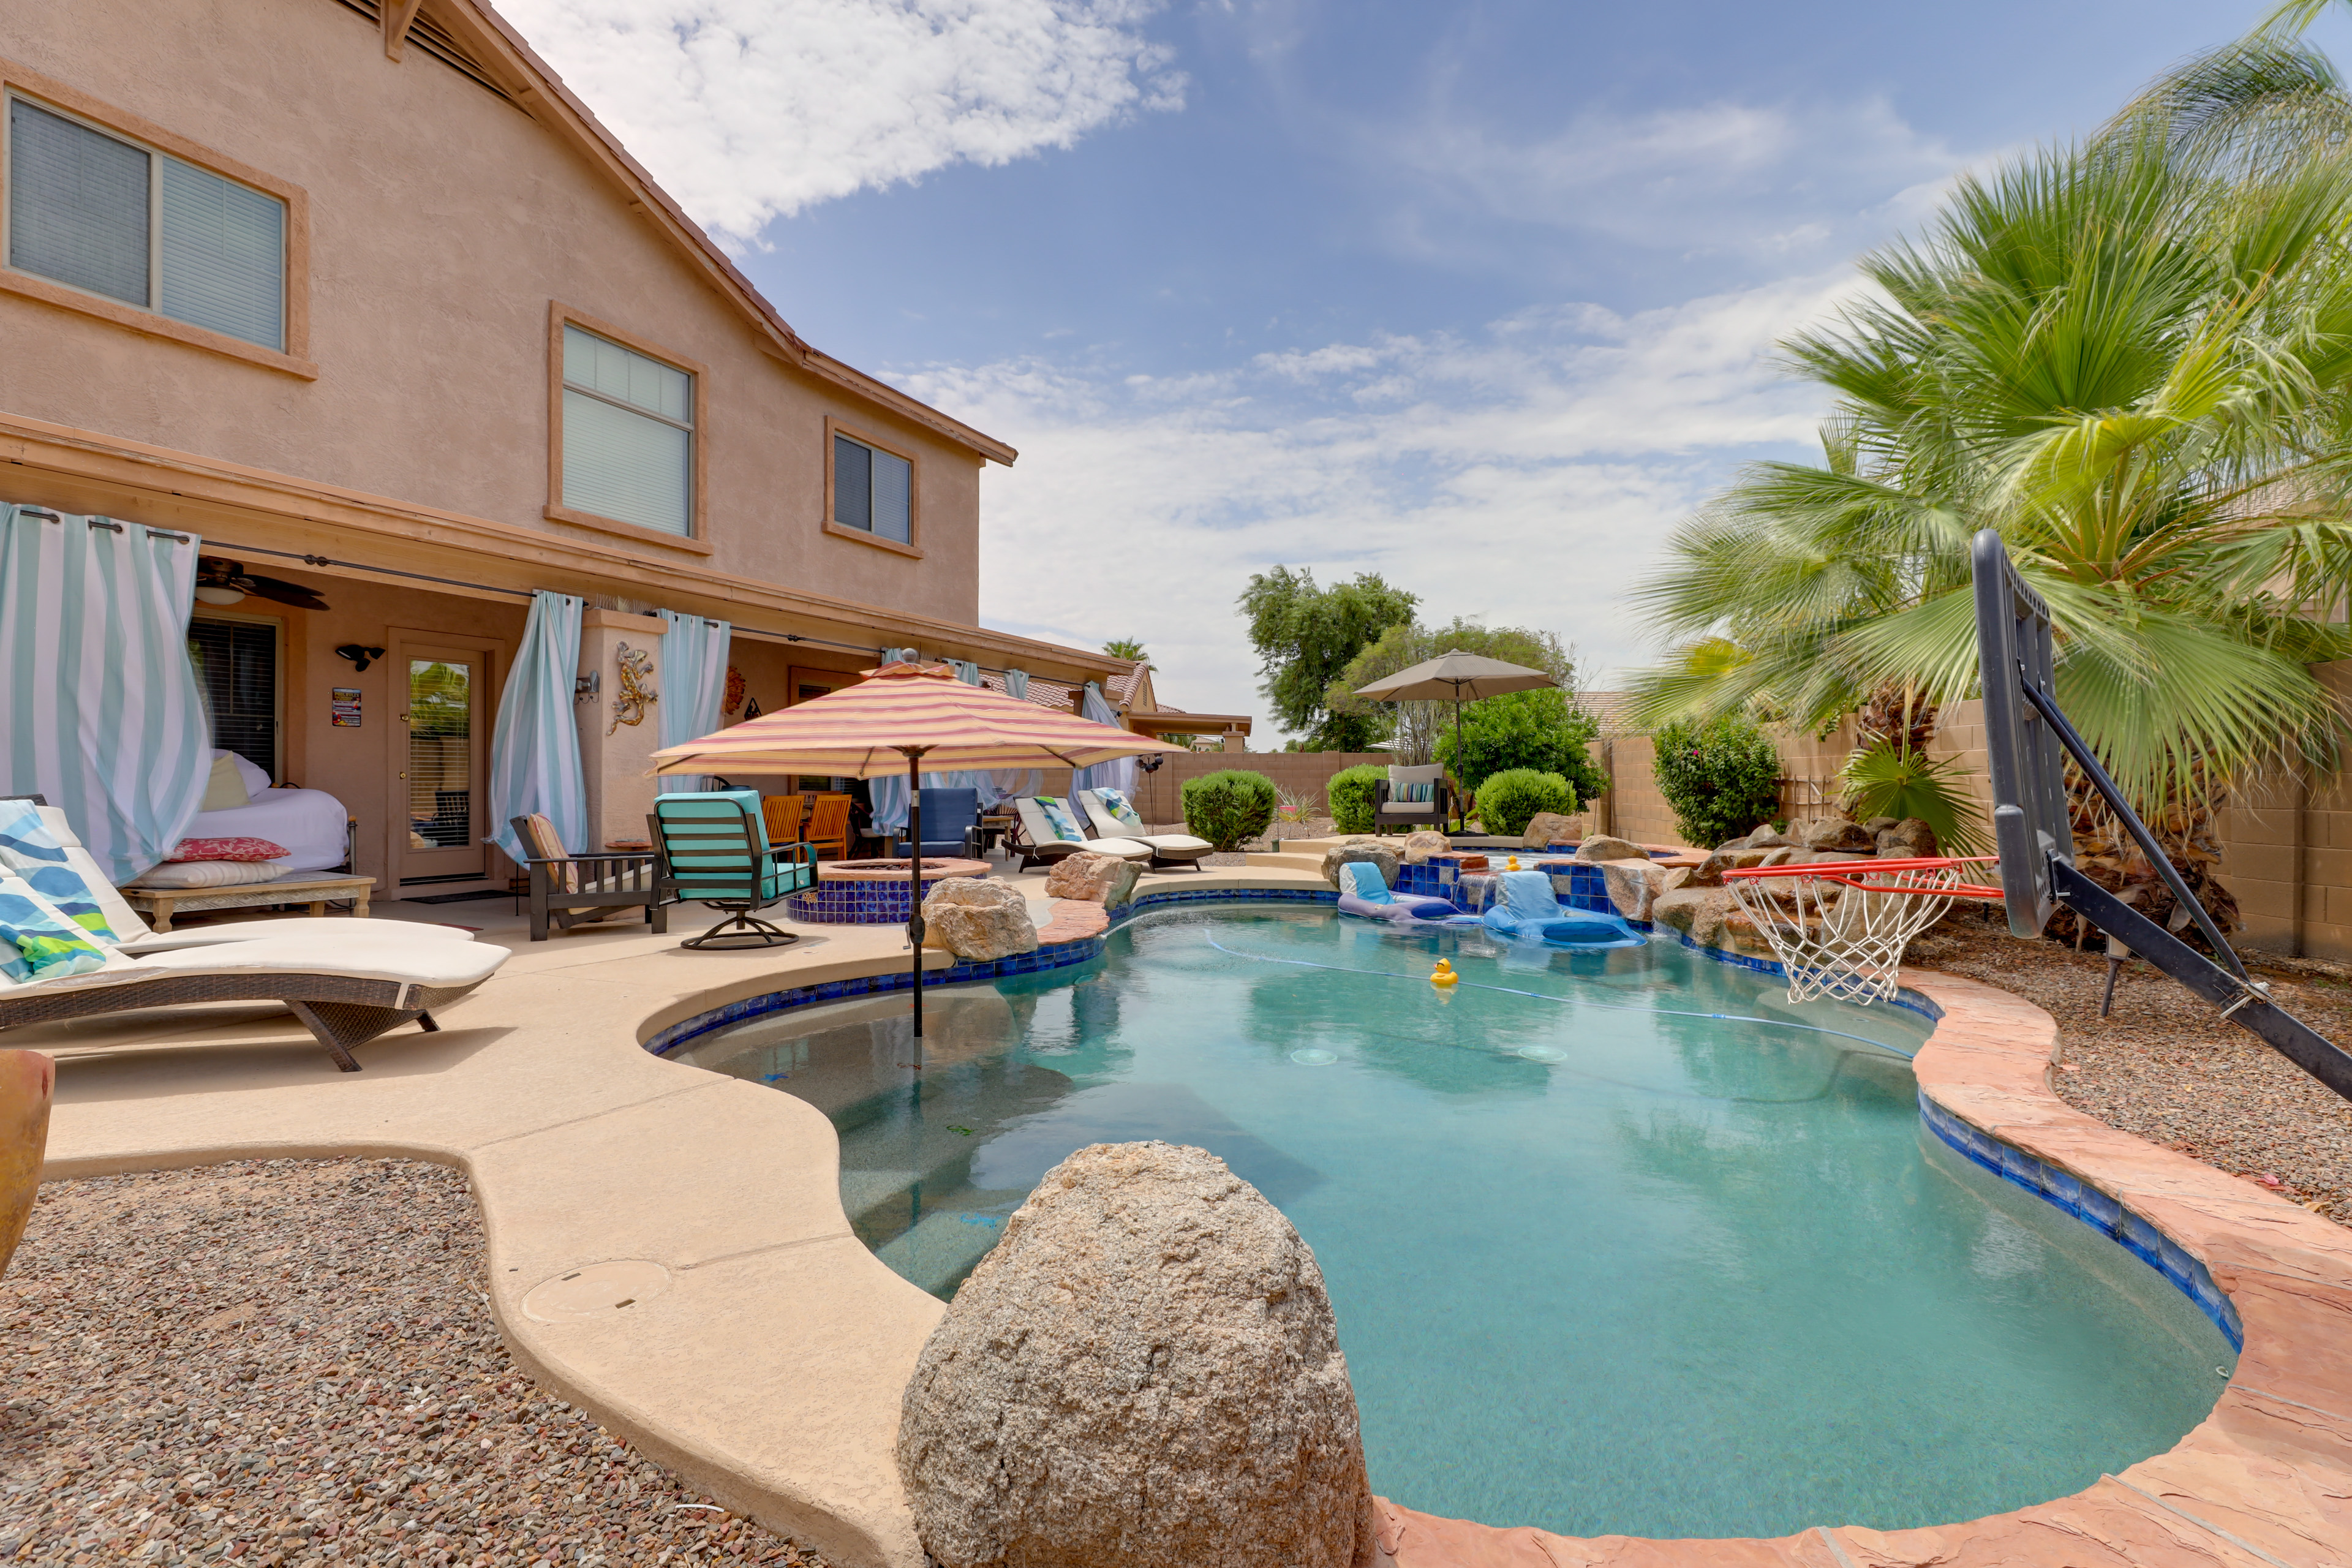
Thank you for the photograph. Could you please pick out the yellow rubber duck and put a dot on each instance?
(1513, 865)
(1442, 976)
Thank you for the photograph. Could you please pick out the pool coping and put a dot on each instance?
(580, 1141)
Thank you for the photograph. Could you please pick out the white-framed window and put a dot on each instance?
(628, 435)
(95, 211)
(873, 490)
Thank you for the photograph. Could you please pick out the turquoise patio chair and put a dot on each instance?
(715, 849)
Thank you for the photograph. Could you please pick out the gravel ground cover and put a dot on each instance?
(2165, 1066)
(292, 1361)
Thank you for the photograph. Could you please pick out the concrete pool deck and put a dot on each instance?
(761, 1348)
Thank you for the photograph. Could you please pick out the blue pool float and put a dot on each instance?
(1530, 912)
(1362, 892)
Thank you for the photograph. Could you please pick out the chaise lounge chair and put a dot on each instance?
(1053, 834)
(1113, 814)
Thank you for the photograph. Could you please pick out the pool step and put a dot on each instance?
(942, 1247)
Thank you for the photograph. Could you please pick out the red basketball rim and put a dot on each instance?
(1849, 873)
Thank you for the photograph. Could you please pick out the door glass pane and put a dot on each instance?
(440, 753)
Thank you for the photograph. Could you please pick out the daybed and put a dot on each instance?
(1053, 834)
(309, 824)
(1114, 816)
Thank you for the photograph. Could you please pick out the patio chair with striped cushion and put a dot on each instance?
(715, 847)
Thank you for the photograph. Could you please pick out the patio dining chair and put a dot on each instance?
(785, 815)
(714, 847)
(567, 890)
(828, 826)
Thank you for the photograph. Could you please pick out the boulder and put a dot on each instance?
(27, 1082)
(1878, 825)
(1768, 838)
(1838, 833)
(1635, 885)
(1360, 848)
(1085, 875)
(978, 918)
(1908, 839)
(1601, 846)
(1545, 829)
(1423, 842)
(1145, 1370)
(1708, 873)
(1697, 912)
(1122, 884)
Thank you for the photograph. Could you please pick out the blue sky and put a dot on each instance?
(1478, 296)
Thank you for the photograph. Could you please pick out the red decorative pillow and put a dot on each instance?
(227, 849)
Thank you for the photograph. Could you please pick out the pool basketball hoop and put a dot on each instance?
(1839, 927)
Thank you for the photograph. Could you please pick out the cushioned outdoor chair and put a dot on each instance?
(951, 823)
(1114, 814)
(1410, 799)
(1049, 833)
(567, 890)
(714, 849)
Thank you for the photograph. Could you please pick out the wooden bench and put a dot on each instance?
(161, 904)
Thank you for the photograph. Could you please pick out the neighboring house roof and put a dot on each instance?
(1122, 688)
(1614, 709)
(537, 90)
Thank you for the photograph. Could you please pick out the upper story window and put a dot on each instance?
(110, 216)
(873, 490)
(628, 435)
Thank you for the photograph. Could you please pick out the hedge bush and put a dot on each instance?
(1722, 778)
(1229, 807)
(1510, 800)
(1350, 791)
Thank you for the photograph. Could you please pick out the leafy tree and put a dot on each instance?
(1416, 725)
(1129, 649)
(2134, 358)
(1721, 777)
(1305, 635)
(1534, 730)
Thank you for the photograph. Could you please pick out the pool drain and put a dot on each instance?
(595, 1291)
(1314, 1056)
(1542, 1053)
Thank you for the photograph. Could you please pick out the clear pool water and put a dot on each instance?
(1598, 1268)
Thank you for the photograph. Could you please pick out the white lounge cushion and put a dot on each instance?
(338, 928)
(1175, 844)
(1121, 848)
(426, 964)
(1407, 807)
(1429, 774)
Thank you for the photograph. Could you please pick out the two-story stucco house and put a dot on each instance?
(362, 296)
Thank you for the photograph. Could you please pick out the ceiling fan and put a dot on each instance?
(220, 581)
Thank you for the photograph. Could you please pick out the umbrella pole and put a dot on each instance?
(1457, 750)
(915, 887)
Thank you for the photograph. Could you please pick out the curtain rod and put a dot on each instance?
(525, 593)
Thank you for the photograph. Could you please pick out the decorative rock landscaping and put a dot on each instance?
(979, 920)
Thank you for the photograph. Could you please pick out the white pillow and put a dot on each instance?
(210, 874)
(255, 777)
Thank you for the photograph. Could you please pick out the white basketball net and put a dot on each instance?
(1841, 933)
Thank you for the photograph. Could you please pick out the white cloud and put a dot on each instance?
(748, 111)
(1523, 475)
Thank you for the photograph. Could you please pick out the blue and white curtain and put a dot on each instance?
(1008, 784)
(889, 792)
(100, 711)
(1119, 773)
(535, 749)
(693, 685)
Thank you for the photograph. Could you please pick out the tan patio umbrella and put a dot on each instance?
(1460, 677)
(900, 716)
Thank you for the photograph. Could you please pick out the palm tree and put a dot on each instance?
(2133, 358)
(1130, 649)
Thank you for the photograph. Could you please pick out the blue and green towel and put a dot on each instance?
(37, 941)
(32, 852)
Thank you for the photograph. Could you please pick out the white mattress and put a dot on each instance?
(308, 822)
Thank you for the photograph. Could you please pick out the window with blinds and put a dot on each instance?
(873, 491)
(97, 212)
(236, 672)
(628, 435)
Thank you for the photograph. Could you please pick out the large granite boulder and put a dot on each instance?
(1360, 848)
(1601, 846)
(1736, 854)
(1145, 1371)
(1838, 833)
(1545, 829)
(1767, 838)
(1697, 912)
(1423, 842)
(1635, 885)
(978, 918)
(1085, 875)
(1909, 839)
(1123, 884)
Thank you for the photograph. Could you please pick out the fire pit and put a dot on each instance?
(871, 892)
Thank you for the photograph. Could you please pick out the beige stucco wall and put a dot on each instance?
(443, 221)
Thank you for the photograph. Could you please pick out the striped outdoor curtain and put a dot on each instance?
(1119, 773)
(889, 795)
(535, 749)
(693, 684)
(1016, 685)
(99, 705)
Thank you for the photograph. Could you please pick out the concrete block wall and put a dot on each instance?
(1159, 798)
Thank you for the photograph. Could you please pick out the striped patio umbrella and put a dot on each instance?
(914, 717)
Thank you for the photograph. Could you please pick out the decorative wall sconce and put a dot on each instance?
(359, 654)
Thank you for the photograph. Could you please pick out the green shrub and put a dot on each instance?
(1888, 781)
(1535, 730)
(1350, 793)
(1228, 808)
(1510, 800)
(1722, 778)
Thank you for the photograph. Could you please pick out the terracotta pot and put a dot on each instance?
(26, 1081)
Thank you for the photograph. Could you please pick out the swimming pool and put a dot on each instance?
(1599, 1265)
